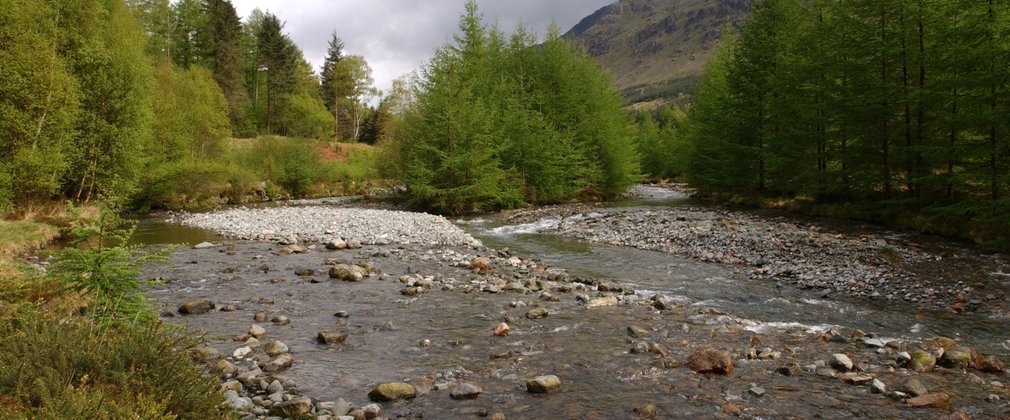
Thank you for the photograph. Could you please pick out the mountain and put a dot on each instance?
(657, 49)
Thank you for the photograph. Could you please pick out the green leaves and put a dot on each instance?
(497, 122)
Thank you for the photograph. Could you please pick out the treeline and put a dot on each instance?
(902, 103)
(136, 98)
(498, 120)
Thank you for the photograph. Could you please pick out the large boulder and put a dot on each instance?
(198, 306)
(710, 361)
(543, 384)
(294, 408)
(348, 272)
(391, 391)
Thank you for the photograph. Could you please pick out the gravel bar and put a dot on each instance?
(289, 225)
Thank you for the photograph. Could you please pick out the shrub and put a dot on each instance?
(52, 368)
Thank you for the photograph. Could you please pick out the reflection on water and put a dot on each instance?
(154, 230)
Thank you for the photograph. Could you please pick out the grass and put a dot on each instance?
(57, 362)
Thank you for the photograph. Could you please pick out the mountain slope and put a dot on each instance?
(656, 48)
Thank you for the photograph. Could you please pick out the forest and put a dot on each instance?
(892, 111)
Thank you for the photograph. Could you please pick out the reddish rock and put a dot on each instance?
(710, 361)
(939, 343)
(990, 364)
(481, 264)
(501, 330)
(732, 409)
(938, 400)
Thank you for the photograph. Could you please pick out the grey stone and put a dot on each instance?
(195, 307)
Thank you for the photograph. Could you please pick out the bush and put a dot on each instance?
(52, 368)
(108, 273)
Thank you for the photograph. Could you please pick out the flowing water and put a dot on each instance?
(589, 349)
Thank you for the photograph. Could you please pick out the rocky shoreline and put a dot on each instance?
(408, 329)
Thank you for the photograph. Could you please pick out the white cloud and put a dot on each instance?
(397, 36)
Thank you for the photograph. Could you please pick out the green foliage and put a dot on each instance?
(99, 264)
(52, 368)
(495, 123)
(305, 116)
(872, 101)
(292, 164)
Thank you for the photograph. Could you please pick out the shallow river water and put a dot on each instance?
(587, 348)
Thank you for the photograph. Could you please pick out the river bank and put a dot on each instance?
(427, 314)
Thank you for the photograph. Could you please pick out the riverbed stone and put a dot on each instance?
(279, 363)
(294, 408)
(347, 272)
(648, 411)
(337, 244)
(956, 358)
(196, 307)
(877, 386)
(480, 265)
(914, 388)
(204, 245)
(537, 313)
(281, 320)
(638, 332)
(206, 354)
(331, 337)
(257, 331)
(922, 361)
(501, 329)
(465, 391)
(990, 364)
(938, 400)
(543, 384)
(242, 352)
(275, 348)
(710, 361)
(840, 362)
(602, 301)
(391, 391)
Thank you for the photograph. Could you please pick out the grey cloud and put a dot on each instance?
(397, 36)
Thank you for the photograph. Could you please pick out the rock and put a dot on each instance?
(756, 391)
(392, 391)
(257, 331)
(279, 363)
(877, 387)
(602, 301)
(260, 316)
(298, 249)
(543, 384)
(204, 245)
(281, 320)
(237, 403)
(480, 265)
(914, 388)
(639, 332)
(305, 272)
(902, 358)
(501, 329)
(409, 291)
(348, 272)
(938, 400)
(224, 367)
(990, 364)
(229, 308)
(231, 385)
(465, 391)
(648, 411)
(537, 313)
(710, 361)
(731, 409)
(922, 361)
(939, 343)
(840, 362)
(342, 314)
(275, 348)
(274, 387)
(336, 244)
(242, 352)
(856, 378)
(662, 302)
(206, 354)
(353, 244)
(195, 307)
(331, 337)
(371, 411)
(956, 358)
(640, 347)
(295, 407)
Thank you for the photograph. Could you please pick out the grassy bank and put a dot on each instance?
(65, 353)
(264, 168)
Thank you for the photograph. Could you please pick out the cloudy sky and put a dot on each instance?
(396, 36)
